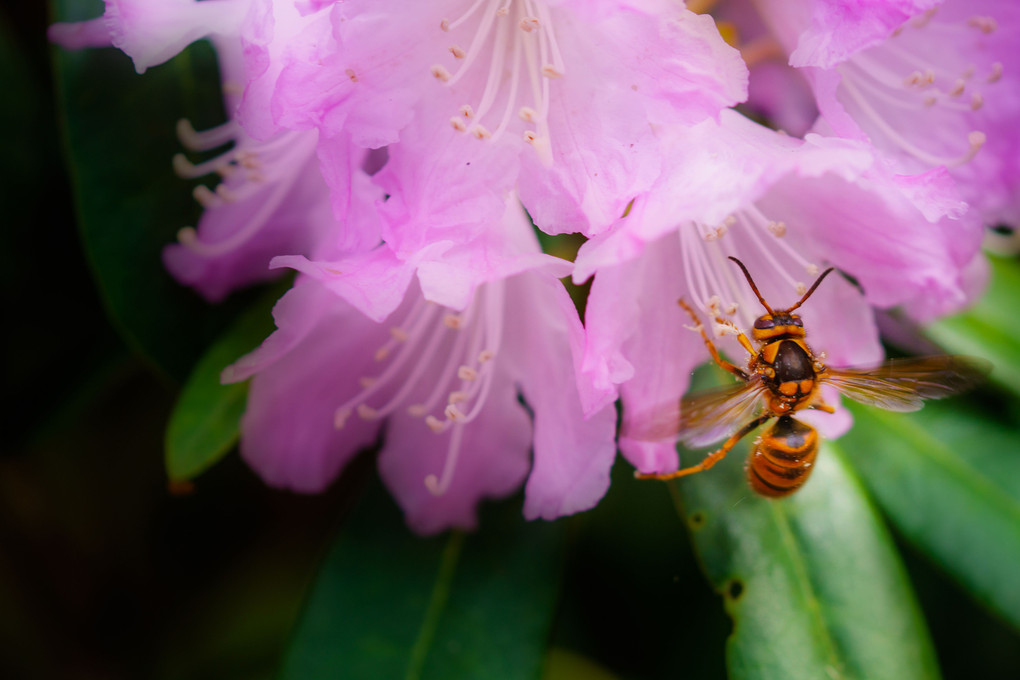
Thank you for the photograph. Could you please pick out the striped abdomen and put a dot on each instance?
(782, 458)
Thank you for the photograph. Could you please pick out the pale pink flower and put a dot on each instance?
(934, 85)
(445, 382)
(271, 197)
(786, 208)
(574, 86)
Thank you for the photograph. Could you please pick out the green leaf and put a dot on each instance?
(991, 328)
(813, 582)
(948, 477)
(119, 129)
(204, 425)
(389, 604)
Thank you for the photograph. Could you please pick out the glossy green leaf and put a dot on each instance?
(813, 582)
(120, 134)
(990, 329)
(948, 477)
(389, 604)
(204, 425)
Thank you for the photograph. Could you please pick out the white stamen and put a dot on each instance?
(367, 412)
(452, 321)
(457, 51)
(529, 24)
(367, 381)
(467, 373)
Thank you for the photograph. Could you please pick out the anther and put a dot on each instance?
(367, 381)
(382, 353)
(441, 73)
(976, 101)
(529, 24)
(444, 25)
(485, 355)
(457, 51)
(778, 229)
(812, 269)
(503, 11)
(453, 414)
(930, 100)
(996, 73)
(435, 424)
(529, 115)
(480, 132)
(367, 412)
(416, 410)
(958, 88)
(467, 373)
(466, 111)
(550, 71)
(801, 288)
(452, 321)
(530, 137)
(398, 333)
(340, 418)
(458, 124)
(983, 24)
(457, 397)
(352, 75)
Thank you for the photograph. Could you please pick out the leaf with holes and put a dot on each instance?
(813, 582)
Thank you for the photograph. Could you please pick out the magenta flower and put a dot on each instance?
(785, 207)
(445, 382)
(934, 85)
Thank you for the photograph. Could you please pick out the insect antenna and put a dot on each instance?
(747, 275)
(812, 288)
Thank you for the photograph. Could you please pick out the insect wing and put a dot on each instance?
(699, 419)
(903, 384)
(709, 416)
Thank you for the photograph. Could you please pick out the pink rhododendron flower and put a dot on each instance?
(932, 84)
(271, 197)
(575, 86)
(446, 382)
(784, 207)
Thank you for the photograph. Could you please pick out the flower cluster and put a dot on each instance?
(397, 154)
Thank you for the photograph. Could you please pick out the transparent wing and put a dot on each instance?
(702, 418)
(903, 384)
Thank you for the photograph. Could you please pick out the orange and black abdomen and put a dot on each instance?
(782, 458)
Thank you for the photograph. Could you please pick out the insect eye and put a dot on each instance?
(764, 322)
(797, 321)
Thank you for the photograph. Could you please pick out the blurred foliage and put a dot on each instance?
(898, 555)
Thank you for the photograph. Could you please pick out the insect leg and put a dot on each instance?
(735, 370)
(712, 458)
